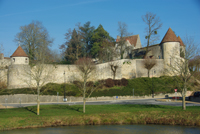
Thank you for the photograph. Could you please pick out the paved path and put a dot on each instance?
(133, 101)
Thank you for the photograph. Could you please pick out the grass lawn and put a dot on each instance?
(55, 115)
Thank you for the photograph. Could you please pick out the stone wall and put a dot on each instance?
(18, 77)
(28, 98)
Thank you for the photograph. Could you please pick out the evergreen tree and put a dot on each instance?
(87, 32)
(98, 41)
(73, 46)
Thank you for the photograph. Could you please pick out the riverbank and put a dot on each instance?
(64, 115)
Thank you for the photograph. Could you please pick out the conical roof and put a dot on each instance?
(169, 36)
(181, 42)
(19, 53)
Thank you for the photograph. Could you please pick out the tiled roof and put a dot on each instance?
(6, 58)
(132, 39)
(181, 42)
(19, 53)
(169, 36)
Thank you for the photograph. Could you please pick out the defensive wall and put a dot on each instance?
(17, 74)
(166, 53)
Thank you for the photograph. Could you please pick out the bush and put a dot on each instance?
(90, 84)
(109, 82)
(117, 82)
(124, 82)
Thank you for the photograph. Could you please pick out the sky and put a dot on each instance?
(57, 16)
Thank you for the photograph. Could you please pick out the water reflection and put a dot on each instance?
(110, 129)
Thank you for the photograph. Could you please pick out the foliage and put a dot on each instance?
(117, 82)
(109, 82)
(98, 39)
(32, 38)
(124, 82)
(141, 86)
(73, 47)
(87, 32)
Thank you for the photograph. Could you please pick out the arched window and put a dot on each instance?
(13, 59)
(26, 60)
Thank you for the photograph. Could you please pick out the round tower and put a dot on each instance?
(170, 48)
(18, 70)
(19, 57)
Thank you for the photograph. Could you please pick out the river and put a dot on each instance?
(109, 129)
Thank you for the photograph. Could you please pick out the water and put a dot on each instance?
(109, 129)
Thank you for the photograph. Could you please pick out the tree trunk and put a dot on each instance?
(84, 90)
(148, 72)
(84, 105)
(114, 75)
(183, 96)
(38, 100)
(183, 103)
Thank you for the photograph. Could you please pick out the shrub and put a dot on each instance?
(90, 84)
(124, 82)
(117, 82)
(76, 82)
(109, 82)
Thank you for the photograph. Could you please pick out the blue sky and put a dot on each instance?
(57, 16)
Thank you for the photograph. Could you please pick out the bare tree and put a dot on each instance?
(32, 38)
(107, 52)
(180, 66)
(153, 24)
(114, 65)
(39, 72)
(86, 70)
(149, 63)
(121, 41)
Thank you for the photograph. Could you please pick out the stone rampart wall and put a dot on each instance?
(134, 68)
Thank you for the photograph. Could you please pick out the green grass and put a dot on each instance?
(55, 115)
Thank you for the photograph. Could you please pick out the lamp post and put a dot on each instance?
(64, 87)
(153, 71)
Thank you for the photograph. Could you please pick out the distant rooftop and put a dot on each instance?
(19, 53)
(132, 39)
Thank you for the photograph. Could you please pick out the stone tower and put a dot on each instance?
(18, 70)
(170, 47)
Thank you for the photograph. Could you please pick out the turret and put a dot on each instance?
(17, 77)
(170, 46)
(19, 57)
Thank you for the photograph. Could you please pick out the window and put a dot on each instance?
(26, 60)
(13, 59)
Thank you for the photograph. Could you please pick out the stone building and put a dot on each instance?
(171, 45)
